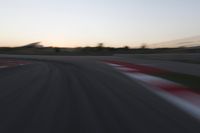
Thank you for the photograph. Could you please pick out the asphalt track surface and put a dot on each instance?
(83, 96)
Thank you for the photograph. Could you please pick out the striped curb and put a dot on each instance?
(179, 95)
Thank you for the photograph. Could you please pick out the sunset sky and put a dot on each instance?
(71, 23)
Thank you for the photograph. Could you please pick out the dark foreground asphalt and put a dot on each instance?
(83, 96)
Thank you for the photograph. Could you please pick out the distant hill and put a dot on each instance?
(186, 42)
(187, 45)
(33, 45)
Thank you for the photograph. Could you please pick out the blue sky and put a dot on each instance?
(71, 23)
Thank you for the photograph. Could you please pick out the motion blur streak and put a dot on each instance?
(180, 95)
(80, 94)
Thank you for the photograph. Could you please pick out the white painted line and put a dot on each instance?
(190, 96)
(120, 67)
(114, 65)
(184, 103)
(150, 79)
(186, 100)
(181, 103)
